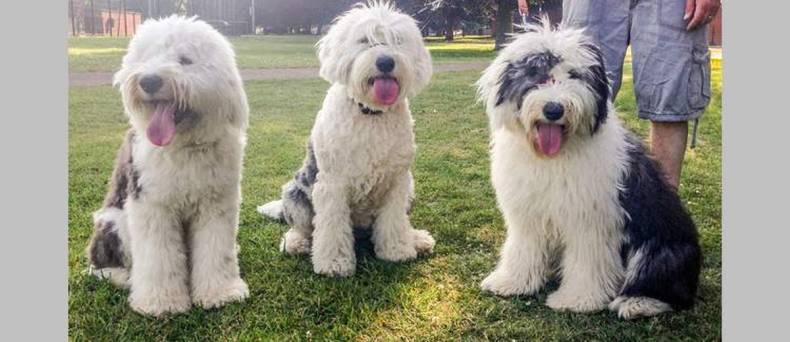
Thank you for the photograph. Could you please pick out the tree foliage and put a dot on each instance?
(298, 16)
(441, 17)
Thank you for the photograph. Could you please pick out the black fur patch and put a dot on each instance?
(524, 75)
(297, 197)
(307, 174)
(105, 249)
(135, 186)
(122, 177)
(661, 231)
(596, 79)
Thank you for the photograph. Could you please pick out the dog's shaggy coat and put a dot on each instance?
(578, 192)
(168, 225)
(357, 169)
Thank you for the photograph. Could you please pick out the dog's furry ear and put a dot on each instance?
(488, 86)
(335, 63)
(596, 79)
(422, 64)
(327, 51)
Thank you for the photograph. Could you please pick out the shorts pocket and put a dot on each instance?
(699, 79)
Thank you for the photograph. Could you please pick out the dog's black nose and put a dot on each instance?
(385, 63)
(553, 111)
(151, 83)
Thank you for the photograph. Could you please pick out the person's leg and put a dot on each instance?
(668, 144)
(607, 21)
(671, 73)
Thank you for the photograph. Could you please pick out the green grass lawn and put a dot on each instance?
(88, 54)
(436, 297)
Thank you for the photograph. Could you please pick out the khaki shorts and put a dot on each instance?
(671, 66)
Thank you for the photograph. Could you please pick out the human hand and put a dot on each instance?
(700, 12)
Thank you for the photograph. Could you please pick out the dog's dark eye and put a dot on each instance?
(532, 71)
(574, 75)
(184, 60)
(364, 41)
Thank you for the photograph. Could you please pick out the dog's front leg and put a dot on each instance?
(393, 236)
(215, 268)
(159, 261)
(523, 264)
(592, 271)
(333, 238)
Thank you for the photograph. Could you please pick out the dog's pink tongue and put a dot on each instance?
(549, 138)
(162, 126)
(386, 91)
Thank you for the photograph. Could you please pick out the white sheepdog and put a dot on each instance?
(577, 190)
(357, 169)
(167, 228)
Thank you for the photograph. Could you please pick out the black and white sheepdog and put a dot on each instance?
(579, 194)
(361, 148)
(167, 228)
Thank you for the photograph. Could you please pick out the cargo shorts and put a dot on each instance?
(671, 66)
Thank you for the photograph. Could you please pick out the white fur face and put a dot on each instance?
(370, 47)
(180, 83)
(549, 85)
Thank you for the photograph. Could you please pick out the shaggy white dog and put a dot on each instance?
(359, 154)
(168, 225)
(576, 189)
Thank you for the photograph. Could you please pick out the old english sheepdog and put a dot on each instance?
(360, 151)
(579, 194)
(167, 228)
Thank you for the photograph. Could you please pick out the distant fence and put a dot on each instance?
(112, 24)
(122, 17)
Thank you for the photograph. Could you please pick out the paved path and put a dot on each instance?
(105, 78)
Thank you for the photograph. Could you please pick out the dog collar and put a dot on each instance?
(367, 111)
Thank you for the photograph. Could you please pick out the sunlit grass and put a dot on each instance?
(461, 47)
(94, 51)
(460, 39)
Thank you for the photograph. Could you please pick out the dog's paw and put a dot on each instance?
(395, 252)
(402, 250)
(118, 276)
(294, 243)
(566, 300)
(503, 284)
(234, 291)
(273, 209)
(159, 305)
(635, 307)
(337, 267)
(423, 241)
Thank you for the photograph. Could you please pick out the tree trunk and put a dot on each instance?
(118, 23)
(450, 18)
(93, 19)
(125, 26)
(109, 14)
(504, 22)
(448, 34)
(73, 20)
